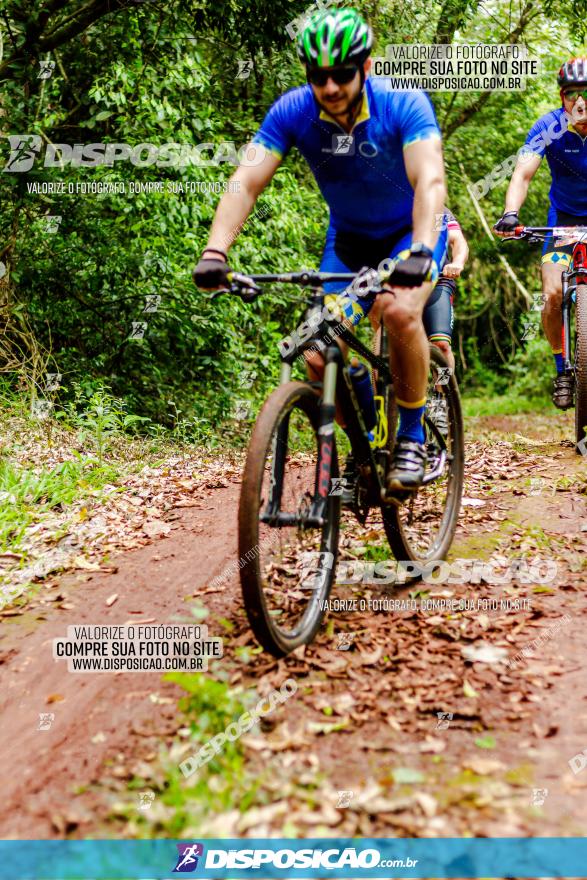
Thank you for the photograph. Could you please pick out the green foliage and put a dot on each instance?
(210, 706)
(168, 73)
(532, 370)
(98, 416)
(26, 494)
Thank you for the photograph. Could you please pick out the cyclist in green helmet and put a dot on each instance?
(376, 155)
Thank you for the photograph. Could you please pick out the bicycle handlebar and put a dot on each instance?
(247, 286)
(541, 233)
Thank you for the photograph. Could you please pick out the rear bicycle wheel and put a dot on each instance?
(422, 529)
(288, 569)
(580, 365)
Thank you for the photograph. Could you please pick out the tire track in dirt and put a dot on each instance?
(384, 693)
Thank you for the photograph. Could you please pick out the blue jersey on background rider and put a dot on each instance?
(561, 136)
(377, 158)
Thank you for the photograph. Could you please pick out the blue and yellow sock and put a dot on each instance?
(558, 359)
(411, 420)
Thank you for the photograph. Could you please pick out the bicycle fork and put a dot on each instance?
(566, 316)
(315, 517)
(325, 437)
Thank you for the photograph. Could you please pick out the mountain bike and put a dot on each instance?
(290, 506)
(574, 288)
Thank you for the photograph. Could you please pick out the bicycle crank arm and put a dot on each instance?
(284, 520)
(437, 471)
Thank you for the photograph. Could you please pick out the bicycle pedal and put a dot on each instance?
(397, 497)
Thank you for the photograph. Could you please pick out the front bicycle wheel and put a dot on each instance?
(580, 364)
(287, 564)
(422, 528)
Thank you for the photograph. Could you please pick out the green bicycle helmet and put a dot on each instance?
(333, 37)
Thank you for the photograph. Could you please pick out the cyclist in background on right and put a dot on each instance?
(561, 136)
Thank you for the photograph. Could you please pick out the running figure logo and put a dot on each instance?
(187, 859)
(444, 719)
(24, 149)
(343, 144)
(444, 374)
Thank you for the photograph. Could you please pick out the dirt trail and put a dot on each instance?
(512, 731)
(97, 715)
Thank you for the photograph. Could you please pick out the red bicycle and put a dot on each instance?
(574, 285)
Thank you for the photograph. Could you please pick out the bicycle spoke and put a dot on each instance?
(293, 558)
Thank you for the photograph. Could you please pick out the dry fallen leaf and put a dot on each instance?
(82, 562)
(427, 803)
(153, 528)
(432, 745)
(483, 766)
(323, 727)
(469, 690)
(482, 652)
(257, 815)
(473, 502)
(159, 701)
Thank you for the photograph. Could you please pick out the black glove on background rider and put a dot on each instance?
(507, 222)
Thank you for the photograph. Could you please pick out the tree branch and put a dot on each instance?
(451, 17)
(76, 23)
(488, 232)
(513, 37)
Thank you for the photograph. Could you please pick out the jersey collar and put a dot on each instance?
(362, 117)
(572, 128)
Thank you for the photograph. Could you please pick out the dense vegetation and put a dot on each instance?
(177, 71)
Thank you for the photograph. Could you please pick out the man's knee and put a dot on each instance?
(402, 316)
(444, 346)
(551, 297)
(551, 281)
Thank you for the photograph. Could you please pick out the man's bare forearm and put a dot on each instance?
(526, 167)
(429, 199)
(249, 181)
(517, 191)
(459, 250)
(231, 214)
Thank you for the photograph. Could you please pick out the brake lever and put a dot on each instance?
(243, 286)
(218, 293)
(531, 239)
(240, 285)
(247, 294)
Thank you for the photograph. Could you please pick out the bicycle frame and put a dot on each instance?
(336, 386)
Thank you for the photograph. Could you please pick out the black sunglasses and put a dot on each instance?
(340, 75)
(573, 96)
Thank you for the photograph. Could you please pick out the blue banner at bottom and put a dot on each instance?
(275, 858)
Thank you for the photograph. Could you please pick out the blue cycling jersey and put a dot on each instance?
(361, 175)
(566, 154)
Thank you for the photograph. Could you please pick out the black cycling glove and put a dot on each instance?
(210, 274)
(414, 270)
(507, 222)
